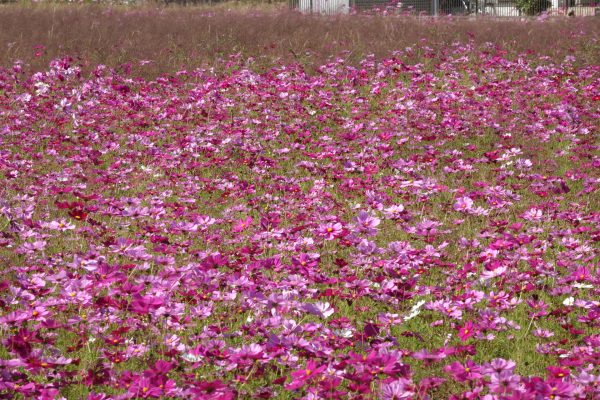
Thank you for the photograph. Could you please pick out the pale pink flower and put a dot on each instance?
(463, 204)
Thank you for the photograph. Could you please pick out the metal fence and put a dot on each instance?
(499, 8)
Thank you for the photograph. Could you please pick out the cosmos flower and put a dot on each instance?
(467, 331)
(242, 224)
(464, 372)
(397, 389)
(330, 231)
(61, 225)
(310, 372)
(463, 204)
(323, 310)
(366, 223)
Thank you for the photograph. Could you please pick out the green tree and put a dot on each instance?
(533, 7)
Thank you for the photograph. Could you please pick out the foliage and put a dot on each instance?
(202, 36)
(533, 7)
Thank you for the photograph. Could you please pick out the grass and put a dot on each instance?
(175, 38)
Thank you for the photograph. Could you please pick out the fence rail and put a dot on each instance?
(499, 8)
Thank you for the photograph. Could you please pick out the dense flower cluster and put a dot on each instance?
(393, 230)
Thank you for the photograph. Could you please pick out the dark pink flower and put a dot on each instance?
(310, 372)
(466, 331)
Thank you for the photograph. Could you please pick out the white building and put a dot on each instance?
(324, 6)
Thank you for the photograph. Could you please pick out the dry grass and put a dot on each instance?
(186, 37)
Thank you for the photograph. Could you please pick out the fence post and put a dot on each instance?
(435, 7)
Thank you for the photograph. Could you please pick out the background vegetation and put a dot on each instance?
(174, 38)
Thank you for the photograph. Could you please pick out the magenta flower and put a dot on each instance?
(144, 388)
(466, 331)
(302, 376)
(242, 224)
(145, 304)
(581, 274)
(467, 372)
(212, 390)
(305, 260)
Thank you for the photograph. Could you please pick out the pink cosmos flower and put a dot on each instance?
(581, 274)
(466, 331)
(557, 372)
(394, 211)
(242, 224)
(401, 388)
(330, 231)
(50, 394)
(498, 365)
(533, 214)
(467, 372)
(212, 390)
(61, 225)
(145, 388)
(145, 304)
(366, 223)
(301, 376)
(504, 382)
(544, 333)
(463, 204)
(323, 310)
(248, 354)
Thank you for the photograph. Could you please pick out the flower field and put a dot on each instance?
(424, 225)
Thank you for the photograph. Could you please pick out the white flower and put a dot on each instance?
(569, 301)
(583, 286)
(345, 333)
(41, 88)
(533, 214)
(415, 310)
(394, 211)
(192, 357)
